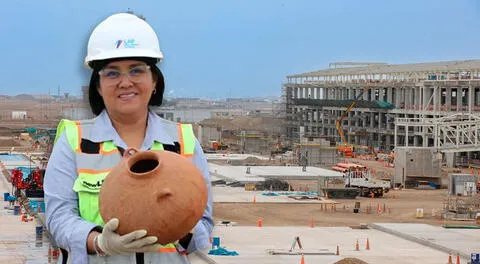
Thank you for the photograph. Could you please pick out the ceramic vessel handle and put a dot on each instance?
(164, 193)
(130, 152)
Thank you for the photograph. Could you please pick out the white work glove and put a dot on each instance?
(112, 243)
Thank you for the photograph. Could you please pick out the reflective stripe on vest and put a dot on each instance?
(185, 134)
(93, 168)
(72, 138)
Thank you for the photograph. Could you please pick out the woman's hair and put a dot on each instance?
(96, 101)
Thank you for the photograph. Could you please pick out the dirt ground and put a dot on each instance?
(401, 209)
(386, 209)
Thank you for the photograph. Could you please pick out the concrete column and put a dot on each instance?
(477, 98)
(448, 98)
(372, 120)
(470, 98)
(454, 101)
(407, 92)
(401, 96)
(458, 98)
(380, 120)
(411, 95)
(426, 97)
(390, 95)
(395, 96)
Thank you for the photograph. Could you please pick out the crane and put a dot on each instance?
(344, 147)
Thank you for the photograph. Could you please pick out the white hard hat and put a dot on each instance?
(123, 35)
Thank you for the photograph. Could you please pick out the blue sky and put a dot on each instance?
(219, 48)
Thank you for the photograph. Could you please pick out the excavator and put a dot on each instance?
(344, 148)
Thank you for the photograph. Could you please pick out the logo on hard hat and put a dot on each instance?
(126, 43)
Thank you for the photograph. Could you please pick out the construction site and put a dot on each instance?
(358, 163)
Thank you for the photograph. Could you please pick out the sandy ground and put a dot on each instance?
(401, 209)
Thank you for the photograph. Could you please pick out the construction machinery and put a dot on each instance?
(344, 147)
(359, 176)
(32, 185)
(216, 145)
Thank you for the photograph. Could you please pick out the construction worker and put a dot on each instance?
(122, 52)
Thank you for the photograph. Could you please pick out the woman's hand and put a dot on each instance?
(111, 243)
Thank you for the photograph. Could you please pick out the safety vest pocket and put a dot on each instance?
(88, 186)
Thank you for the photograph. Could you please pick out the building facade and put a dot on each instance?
(419, 105)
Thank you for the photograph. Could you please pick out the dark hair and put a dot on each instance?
(96, 101)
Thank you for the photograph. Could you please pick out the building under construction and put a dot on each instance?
(429, 105)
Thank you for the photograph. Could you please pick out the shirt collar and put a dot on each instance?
(156, 130)
(103, 130)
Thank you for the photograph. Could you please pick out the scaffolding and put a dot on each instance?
(461, 207)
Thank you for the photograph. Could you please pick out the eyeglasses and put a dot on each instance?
(136, 74)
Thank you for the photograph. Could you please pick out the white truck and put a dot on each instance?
(366, 185)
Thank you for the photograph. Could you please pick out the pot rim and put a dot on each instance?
(142, 155)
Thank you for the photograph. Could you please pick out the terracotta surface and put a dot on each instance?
(159, 191)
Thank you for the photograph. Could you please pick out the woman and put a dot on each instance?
(123, 52)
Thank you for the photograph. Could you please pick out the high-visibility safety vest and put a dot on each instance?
(95, 160)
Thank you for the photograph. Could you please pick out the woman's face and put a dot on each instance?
(126, 86)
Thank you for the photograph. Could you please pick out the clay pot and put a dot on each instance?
(159, 191)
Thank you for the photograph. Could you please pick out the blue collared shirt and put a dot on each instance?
(62, 214)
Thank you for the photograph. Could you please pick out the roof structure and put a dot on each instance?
(434, 67)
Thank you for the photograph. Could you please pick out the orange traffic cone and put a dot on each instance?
(393, 197)
(368, 245)
(259, 223)
(311, 222)
(450, 259)
(302, 260)
(338, 251)
(357, 247)
(326, 195)
(458, 259)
